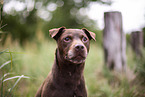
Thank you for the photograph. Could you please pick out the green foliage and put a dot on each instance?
(128, 39)
(24, 25)
(18, 30)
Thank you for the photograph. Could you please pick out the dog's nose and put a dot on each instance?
(79, 47)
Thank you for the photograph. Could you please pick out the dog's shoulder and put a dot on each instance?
(44, 85)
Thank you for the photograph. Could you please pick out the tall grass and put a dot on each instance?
(37, 59)
(5, 77)
(140, 68)
(140, 75)
(7, 80)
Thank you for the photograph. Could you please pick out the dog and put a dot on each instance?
(66, 78)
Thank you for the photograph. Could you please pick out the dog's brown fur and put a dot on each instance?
(66, 77)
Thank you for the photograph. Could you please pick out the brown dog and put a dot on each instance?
(66, 78)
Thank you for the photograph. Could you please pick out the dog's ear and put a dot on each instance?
(55, 33)
(90, 34)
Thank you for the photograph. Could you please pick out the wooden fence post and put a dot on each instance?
(114, 42)
(137, 42)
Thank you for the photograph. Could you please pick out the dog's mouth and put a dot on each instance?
(77, 59)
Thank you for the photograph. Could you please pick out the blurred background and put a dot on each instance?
(27, 51)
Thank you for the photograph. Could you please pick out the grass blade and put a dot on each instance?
(2, 52)
(5, 76)
(15, 52)
(19, 78)
(5, 64)
(22, 76)
(3, 26)
(2, 83)
(2, 87)
(11, 59)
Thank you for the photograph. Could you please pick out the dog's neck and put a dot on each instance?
(65, 65)
(66, 73)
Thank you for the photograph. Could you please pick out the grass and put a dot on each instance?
(6, 77)
(36, 60)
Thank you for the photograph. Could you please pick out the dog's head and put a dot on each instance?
(73, 44)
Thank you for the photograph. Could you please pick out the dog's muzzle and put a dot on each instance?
(77, 54)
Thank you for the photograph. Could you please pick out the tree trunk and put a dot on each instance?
(114, 42)
(137, 42)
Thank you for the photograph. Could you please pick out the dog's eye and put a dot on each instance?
(67, 39)
(84, 39)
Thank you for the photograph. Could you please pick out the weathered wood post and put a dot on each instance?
(114, 42)
(137, 42)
